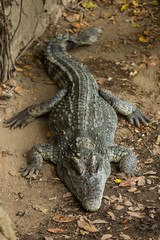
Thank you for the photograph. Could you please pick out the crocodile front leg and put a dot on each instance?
(36, 156)
(125, 157)
(34, 111)
(129, 110)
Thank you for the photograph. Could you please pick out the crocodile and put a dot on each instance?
(82, 123)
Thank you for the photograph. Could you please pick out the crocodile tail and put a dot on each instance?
(86, 38)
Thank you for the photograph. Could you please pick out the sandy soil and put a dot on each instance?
(128, 68)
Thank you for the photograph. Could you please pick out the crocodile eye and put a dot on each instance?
(78, 166)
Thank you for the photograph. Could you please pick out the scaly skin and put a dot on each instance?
(82, 123)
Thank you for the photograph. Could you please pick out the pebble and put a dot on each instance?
(110, 78)
(149, 181)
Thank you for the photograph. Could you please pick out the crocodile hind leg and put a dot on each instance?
(34, 111)
(129, 110)
(36, 156)
(125, 157)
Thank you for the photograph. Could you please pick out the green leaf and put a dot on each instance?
(134, 25)
(125, 6)
(88, 5)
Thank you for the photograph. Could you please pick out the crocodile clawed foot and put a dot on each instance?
(131, 173)
(30, 172)
(138, 118)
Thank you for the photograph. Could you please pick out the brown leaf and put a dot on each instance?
(136, 214)
(150, 173)
(28, 67)
(139, 207)
(18, 90)
(119, 207)
(111, 214)
(153, 61)
(122, 235)
(128, 182)
(19, 69)
(128, 203)
(76, 25)
(106, 236)
(141, 181)
(55, 230)
(48, 238)
(158, 139)
(61, 219)
(86, 226)
(73, 18)
(13, 173)
(132, 189)
(99, 221)
(142, 66)
(40, 208)
(149, 160)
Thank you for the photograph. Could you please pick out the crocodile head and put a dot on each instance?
(86, 179)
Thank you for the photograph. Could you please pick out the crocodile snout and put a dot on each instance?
(91, 204)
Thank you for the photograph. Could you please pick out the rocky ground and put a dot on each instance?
(125, 61)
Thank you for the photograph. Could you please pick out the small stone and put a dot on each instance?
(110, 78)
(149, 181)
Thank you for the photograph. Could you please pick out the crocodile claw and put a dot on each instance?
(20, 120)
(30, 171)
(137, 118)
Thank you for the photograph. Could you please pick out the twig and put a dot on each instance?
(73, 11)
(37, 14)
(24, 49)
(20, 16)
(76, 5)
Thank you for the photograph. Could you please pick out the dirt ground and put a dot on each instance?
(125, 61)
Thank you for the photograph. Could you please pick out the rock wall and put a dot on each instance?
(25, 21)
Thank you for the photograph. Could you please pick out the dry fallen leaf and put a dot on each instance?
(61, 219)
(55, 230)
(132, 189)
(136, 214)
(28, 67)
(99, 221)
(106, 236)
(141, 181)
(73, 18)
(40, 208)
(124, 236)
(86, 226)
(139, 207)
(13, 173)
(48, 134)
(19, 69)
(18, 90)
(48, 238)
(111, 214)
(150, 173)
(143, 40)
(149, 160)
(119, 207)
(128, 203)
(127, 182)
